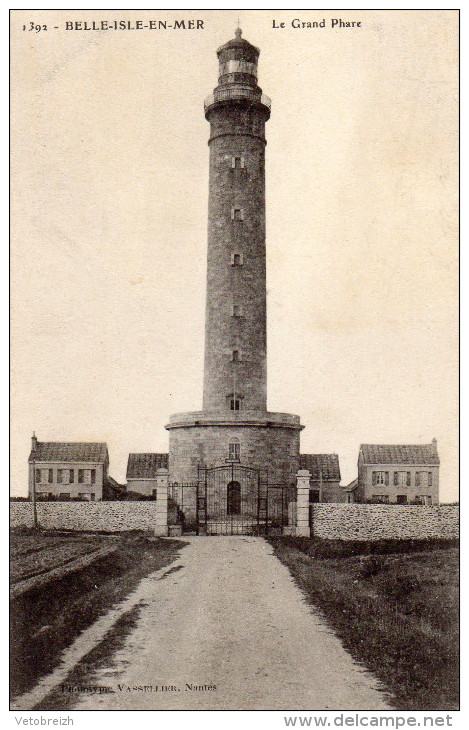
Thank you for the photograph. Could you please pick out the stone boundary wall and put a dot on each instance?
(332, 521)
(99, 516)
(379, 521)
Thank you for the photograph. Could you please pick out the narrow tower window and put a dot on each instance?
(234, 404)
(237, 214)
(234, 450)
(237, 312)
(235, 356)
(237, 162)
(237, 259)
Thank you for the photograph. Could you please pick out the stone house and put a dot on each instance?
(325, 477)
(350, 491)
(65, 471)
(142, 472)
(399, 474)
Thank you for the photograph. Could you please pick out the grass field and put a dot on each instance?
(394, 604)
(34, 554)
(46, 619)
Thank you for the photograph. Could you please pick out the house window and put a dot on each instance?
(382, 498)
(234, 404)
(234, 450)
(71, 476)
(81, 476)
(237, 214)
(38, 476)
(380, 477)
(421, 479)
(60, 476)
(237, 311)
(93, 476)
(402, 478)
(401, 499)
(51, 476)
(237, 162)
(237, 259)
(235, 356)
(314, 495)
(64, 495)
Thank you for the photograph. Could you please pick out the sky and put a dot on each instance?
(109, 180)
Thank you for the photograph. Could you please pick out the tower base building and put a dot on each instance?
(269, 442)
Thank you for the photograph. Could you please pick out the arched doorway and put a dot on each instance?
(233, 498)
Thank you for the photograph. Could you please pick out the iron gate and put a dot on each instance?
(228, 500)
(231, 500)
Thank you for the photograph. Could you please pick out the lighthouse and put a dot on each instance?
(235, 371)
(234, 427)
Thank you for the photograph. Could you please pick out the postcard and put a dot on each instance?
(234, 313)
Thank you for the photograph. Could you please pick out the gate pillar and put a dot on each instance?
(162, 482)
(302, 505)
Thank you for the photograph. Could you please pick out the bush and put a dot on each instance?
(371, 565)
(397, 588)
(137, 497)
(321, 548)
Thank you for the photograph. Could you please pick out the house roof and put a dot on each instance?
(352, 486)
(145, 466)
(328, 464)
(80, 451)
(111, 482)
(400, 454)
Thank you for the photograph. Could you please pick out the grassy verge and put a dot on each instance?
(396, 612)
(61, 698)
(47, 619)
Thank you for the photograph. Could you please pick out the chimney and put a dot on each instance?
(34, 442)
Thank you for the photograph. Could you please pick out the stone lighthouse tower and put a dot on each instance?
(234, 425)
(235, 375)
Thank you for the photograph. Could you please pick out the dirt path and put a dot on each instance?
(228, 614)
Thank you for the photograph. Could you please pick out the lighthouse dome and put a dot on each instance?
(238, 61)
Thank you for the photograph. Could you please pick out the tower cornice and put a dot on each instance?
(259, 419)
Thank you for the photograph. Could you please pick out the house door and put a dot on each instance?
(233, 498)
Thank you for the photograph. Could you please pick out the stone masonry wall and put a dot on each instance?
(332, 521)
(269, 449)
(379, 521)
(99, 516)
